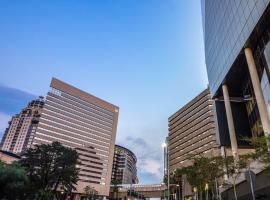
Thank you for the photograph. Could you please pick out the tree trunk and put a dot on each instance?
(55, 188)
(234, 190)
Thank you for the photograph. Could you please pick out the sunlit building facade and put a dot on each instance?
(192, 131)
(86, 123)
(22, 128)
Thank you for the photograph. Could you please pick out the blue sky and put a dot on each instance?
(145, 56)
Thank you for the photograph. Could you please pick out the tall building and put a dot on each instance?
(192, 131)
(124, 166)
(237, 52)
(22, 127)
(83, 122)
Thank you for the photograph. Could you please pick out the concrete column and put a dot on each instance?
(257, 90)
(228, 109)
(223, 154)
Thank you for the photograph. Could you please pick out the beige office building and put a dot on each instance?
(192, 131)
(83, 122)
(22, 127)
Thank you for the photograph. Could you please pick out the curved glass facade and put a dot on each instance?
(124, 166)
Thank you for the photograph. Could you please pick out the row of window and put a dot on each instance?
(41, 140)
(186, 110)
(184, 134)
(82, 103)
(69, 124)
(188, 122)
(191, 145)
(193, 152)
(102, 118)
(95, 106)
(80, 141)
(104, 114)
(71, 110)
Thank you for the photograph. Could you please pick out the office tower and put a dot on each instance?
(86, 123)
(124, 169)
(192, 131)
(237, 51)
(22, 127)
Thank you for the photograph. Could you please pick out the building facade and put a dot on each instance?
(22, 128)
(236, 37)
(192, 131)
(237, 52)
(124, 166)
(86, 123)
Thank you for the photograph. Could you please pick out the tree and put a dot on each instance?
(203, 171)
(262, 153)
(50, 166)
(13, 180)
(235, 167)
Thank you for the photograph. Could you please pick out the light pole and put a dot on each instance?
(206, 191)
(195, 190)
(166, 164)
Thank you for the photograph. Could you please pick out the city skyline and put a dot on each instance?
(150, 83)
(136, 99)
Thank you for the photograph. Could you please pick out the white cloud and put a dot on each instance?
(4, 118)
(151, 166)
(149, 158)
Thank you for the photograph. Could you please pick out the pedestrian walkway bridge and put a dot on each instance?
(148, 191)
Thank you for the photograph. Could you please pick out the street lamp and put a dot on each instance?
(164, 145)
(195, 190)
(166, 164)
(206, 191)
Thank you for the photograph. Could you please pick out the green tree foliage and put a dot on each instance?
(50, 167)
(206, 170)
(262, 147)
(235, 167)
(13, 180)
(203, 171)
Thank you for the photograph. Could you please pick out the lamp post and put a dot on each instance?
(206, 191)
(195, 190)
(166, 164)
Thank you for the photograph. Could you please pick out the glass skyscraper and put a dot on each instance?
(236, 37)
(228, 25)
(237, 55)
